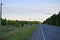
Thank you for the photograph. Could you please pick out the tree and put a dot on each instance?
(58, 20)
(3, 21)
(53, 20)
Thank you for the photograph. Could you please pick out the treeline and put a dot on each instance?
(17, 23)
(53, 20)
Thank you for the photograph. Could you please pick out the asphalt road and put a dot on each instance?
(46, 32)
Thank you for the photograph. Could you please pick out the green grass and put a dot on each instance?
(22, 33)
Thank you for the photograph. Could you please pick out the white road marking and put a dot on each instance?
(42, 33)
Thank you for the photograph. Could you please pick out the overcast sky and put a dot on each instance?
(30, 9)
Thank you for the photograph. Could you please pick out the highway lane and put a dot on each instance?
(51, 32)
(46, 32)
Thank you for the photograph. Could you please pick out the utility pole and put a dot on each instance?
(29, 19)
(0, 12)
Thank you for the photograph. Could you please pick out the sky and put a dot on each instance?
(33, 10)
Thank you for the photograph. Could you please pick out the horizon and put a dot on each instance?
(34, 10)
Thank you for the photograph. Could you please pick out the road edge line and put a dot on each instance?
(42, 33)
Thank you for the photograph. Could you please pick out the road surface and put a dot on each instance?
(46, 32)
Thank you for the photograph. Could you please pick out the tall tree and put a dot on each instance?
(53, 20)
(58, 20)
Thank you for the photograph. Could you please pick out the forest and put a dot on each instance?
(5, 22)
(53, 20)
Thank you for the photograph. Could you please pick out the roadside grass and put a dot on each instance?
(21, 33)
(6, 29)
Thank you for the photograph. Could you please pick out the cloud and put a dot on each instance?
(34, 12)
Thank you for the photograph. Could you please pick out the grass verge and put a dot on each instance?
(21, 34)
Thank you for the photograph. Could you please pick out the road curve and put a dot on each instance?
(46, 32)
